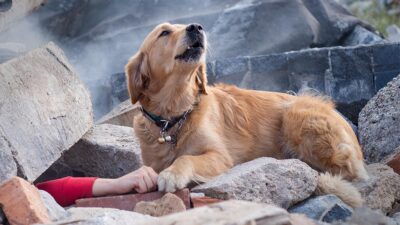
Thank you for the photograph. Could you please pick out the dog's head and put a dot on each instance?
(170, 51)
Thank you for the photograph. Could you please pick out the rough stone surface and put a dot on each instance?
(128, 202)
(379, 122)
(21, 203)
(121, 115)
(203, 201)
(393, 33)
(366, 216)
(19, 9)
(107, 151)
(382, 189)
(45, 109)
(228, 212)
(103, 216)
(327, 208)
(267, 180)
(54, 210)
(168, 204)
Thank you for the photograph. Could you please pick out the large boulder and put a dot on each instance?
(107, 150)
(267, 180)
(382, 189)
(45, 109)
(379, 122)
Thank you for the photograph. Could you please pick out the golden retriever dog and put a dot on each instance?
(191, 132)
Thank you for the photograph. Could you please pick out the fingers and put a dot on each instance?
(146, 180)
(141, 186)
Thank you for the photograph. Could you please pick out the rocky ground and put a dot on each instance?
(49, 93)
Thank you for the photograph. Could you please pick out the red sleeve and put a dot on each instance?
(68, 189)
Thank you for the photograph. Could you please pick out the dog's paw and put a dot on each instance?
(171, 181)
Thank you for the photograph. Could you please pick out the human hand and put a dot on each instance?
(141, 180)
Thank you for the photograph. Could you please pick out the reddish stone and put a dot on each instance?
(128, 202)
(394, 162)
(204, 201)
(22, 203)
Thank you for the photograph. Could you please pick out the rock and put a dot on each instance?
(21, 203)
(366, 216)
(393, 32)
(54, 210)
(10, 50)
(128, 202)
(107, 151)
(393, 160)
(11, 11)
(327, 208)
(103, 216)
(40, 96)
(204, 201)
(166, 205)
(382, 189)
(8, 167)
(267, 180)
(228, 212)
(362, 36)
(121, 115)
(300, 219)
(379, 122)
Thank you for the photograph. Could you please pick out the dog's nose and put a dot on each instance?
(194, 27)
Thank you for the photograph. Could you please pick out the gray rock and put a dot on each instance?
(103, 216)
(379, 122)
(267, 180)
(362, 36)
(228, 212)
(327, 208)
(121, 115)
(40, 96)
(393, 33)
(366, 216)
(8, 167)
(54, 210)
(107, 151)
(382, 188)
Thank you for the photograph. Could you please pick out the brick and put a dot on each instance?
(22, 203)
(166, 205)
(128, 202)
(204, 201)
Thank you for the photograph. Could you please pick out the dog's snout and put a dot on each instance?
(194, 27)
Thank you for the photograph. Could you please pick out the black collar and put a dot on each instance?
(163, 123)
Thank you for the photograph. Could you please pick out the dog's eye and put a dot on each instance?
(164, 33)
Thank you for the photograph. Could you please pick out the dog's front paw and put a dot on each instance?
(171, 181)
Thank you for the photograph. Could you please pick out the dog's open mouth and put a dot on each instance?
(192, 52)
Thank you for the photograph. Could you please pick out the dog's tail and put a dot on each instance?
(335, 184)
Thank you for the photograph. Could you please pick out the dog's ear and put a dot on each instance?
(201, 78)
(137, 76)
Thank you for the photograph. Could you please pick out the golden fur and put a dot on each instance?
(230, 125)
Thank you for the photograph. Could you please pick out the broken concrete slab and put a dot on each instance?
(45, 108)
(106, 151)
(267, 180)
(121, 115)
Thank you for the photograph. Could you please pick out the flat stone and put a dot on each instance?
(41, 95)
(203, 201)
(228, 212)
(379, 123)
(166, 205)
(326, 208)
(393, 160)
(21, 203)
(103, 216)
(382, 189)
(121, 115)
(128, 202)
(267, 180)
(54, 210)
(107, 151)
